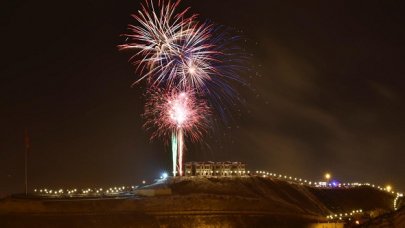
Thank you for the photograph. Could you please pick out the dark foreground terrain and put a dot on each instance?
(201, 202)
(394, 219)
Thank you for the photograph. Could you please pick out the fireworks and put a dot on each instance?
(179, 114)
(173, 50)
(185, 65)
(168, 111)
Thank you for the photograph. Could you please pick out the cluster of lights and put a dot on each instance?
(240, 172)
(344, 216)
(50, 191)
(85, 192)
(114, 190)
(332, 184)
(279, 176)
(321, 184)
(399, 195)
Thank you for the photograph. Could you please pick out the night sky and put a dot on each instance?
(326, 93)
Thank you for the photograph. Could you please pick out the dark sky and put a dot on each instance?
(327, 93)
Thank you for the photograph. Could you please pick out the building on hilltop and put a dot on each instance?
(210, 168)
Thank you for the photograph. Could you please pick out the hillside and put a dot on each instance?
(242, 202)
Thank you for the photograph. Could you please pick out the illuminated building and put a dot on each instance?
(215, 169)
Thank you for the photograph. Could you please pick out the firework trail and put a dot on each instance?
(176, 114)
(174, 154)
(181, 148)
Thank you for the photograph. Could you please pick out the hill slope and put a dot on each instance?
(224, 202)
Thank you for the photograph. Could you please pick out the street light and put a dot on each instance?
(327, 176)
(164, 175)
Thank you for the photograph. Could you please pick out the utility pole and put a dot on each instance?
(27, 148)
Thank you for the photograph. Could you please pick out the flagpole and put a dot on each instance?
(27, 147)
(26, 178)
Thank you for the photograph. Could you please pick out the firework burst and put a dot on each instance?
(179, 114)
(174, 50)
(168, 111)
